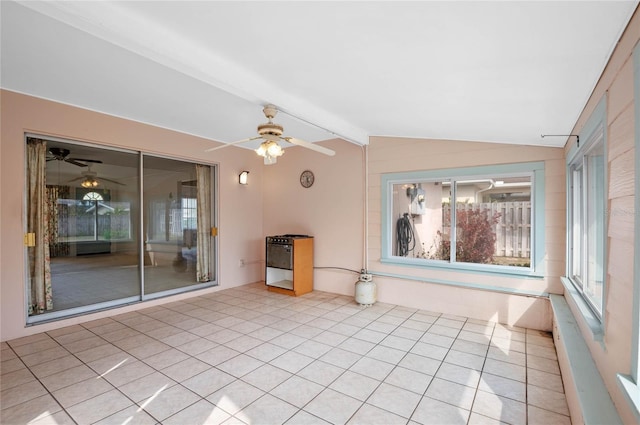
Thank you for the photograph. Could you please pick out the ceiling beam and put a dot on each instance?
(131, 31)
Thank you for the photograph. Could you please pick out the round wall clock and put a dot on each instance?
(306, 178)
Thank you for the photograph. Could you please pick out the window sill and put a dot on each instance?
(631, 392)
(594, 325)
(521, 272)
(580, 376)
(475, 286)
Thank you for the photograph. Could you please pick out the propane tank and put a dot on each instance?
(366, 290)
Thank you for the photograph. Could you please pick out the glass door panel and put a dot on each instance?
(92, 213)
(171, 226)
(89, 240)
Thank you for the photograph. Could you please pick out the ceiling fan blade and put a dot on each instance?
(109, 180)
(76, 179)
(237, 142)
(95, 161)
(74, 162)
(59, 153)
(309, 145)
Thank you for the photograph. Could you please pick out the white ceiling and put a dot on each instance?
(488, 71)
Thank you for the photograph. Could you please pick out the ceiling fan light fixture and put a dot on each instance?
(274, 149)
(89, 182)
(270, 151)
(262, 149)
(271, 134)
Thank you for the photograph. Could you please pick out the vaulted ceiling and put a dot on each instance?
(487, 71)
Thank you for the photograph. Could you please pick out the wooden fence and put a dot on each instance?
(513, 230)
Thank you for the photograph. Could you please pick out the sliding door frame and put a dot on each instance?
(142, 297)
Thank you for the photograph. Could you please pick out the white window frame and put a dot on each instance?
(533, 169)
(593, 131)
(578, 169)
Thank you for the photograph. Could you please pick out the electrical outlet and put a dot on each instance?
(241, 263)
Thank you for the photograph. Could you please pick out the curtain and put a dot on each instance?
(203, 211)
(40, 293)
(58, 220)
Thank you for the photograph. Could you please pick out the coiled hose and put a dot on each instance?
(404, 236)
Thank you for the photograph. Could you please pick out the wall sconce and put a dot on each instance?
(243, 177)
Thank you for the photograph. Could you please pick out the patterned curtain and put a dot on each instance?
(58, 220)
(40, 293)
(203, 208)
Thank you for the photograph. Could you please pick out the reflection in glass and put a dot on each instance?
(594, 222)
(91, 242)
(576, 221)
(171, 225)
(92, 239)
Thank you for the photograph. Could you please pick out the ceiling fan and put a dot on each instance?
(271, 133)
(89, 179)
(60, 154)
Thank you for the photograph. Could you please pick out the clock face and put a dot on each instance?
(306, 178)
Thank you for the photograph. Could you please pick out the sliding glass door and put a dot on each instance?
(177, 237)
(111, 227)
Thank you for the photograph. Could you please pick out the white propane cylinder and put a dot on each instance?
(366, 292)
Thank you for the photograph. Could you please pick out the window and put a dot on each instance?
(172, 219)
(95, 218)
(92, 196)
(479, 217)
(586, 213)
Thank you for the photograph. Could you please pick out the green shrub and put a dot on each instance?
(476, 238)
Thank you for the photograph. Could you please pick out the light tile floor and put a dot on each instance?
(245, 355)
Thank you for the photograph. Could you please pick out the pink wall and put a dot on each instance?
(332, 210)
(274, 202)
(391, 155)
(616, 84)
(240, 212)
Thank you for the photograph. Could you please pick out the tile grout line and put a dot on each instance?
(99, 375)
(348, 369)
(292, 307)
(394, 367)
(240, 378)
(484, 362)
(441, 363)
